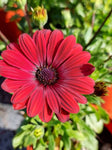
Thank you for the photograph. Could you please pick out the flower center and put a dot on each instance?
(46, 76)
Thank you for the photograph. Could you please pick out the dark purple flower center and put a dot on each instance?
(46, 75)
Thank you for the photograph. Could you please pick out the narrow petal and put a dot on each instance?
(46, 113)
(40, 43)
(53, 99)
(13, 46)
(14, 73)
(78, 60)
(36, 102)
(16, 59)
(46, 33)
(63, 116)
(68, 74)
(67, 100)
(28, 48)
(76, 71)
(20, 105)
(23, 93)
(79, 98)
(83, 85)
(12, 85)
(55, 39)
(64, 51)
(87, 69)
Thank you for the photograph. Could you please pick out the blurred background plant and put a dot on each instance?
(81, 18)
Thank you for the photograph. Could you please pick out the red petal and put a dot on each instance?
(87, 69)
(63, 116)
(23, 93)
(55, 39)
(36, 102)
(12, 85)
(83, 85)
(68, 74)
(82, 58)
(64, 51)
(20, 105)
(46, 35)
(77, 60)
(53, 100)
(46, 113)
(15, 58)
(67, 100)
(79, 98)
(74, 72)
(28, 47)
(14, 73)
(40, 43)
(13, 46)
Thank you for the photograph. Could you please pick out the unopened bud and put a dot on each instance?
(39, 132)
(40, 16)
(100, 88)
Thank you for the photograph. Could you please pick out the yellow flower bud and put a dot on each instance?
(40, 16)
(39, 132)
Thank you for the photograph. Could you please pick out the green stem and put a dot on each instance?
(28, 20)
(91, 40)
(4, 38)
(110, 57)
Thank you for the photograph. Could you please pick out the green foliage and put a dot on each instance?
(28, 134)
(81, 128)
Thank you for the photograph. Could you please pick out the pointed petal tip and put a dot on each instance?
(19, 106)
(46, 114)
(13, 46)
(87, 69)
(63, 120)
(63, 116)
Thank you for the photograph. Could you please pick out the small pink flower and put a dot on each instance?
(47, 74)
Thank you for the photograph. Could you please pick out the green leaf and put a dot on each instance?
(77, 135)
(104, 116)
(96, 125)
(40, 147)
(66, 141)
(51, 142)
(18, 139)
(3, 2)
(80, 10)
(67, 18)
(2, 46)
(58, 130)
(29, 140)
(33, 121)
(88, 35)
(90, 143)
(94, 99)
(27, 127)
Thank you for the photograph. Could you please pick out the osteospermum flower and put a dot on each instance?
(47, 74)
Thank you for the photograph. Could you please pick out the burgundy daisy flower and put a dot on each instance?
(47, 74)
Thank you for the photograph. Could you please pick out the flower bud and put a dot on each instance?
(100, 88)
(39, 132)
(40, 16)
